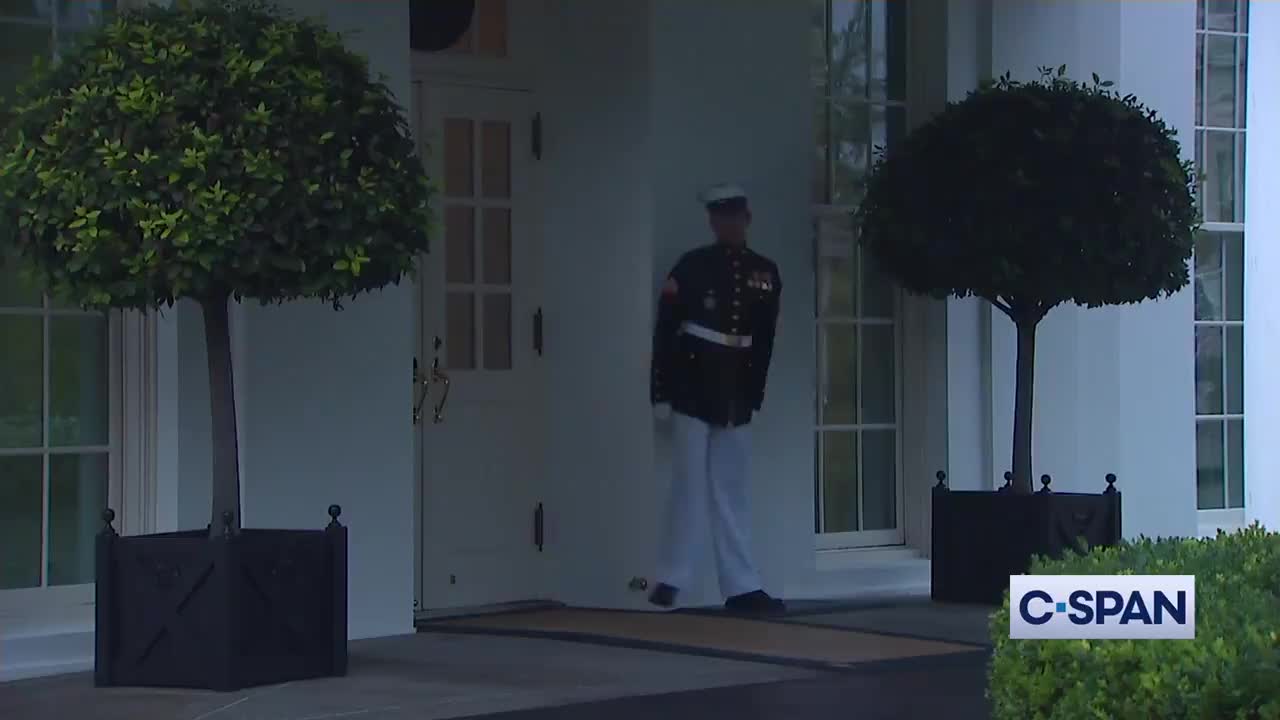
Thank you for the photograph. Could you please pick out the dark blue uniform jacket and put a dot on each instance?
(717, 317)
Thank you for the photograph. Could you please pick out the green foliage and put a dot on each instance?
(1032, 195)
(211, 150)
(1230, 671)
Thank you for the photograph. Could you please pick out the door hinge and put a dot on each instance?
(536, 136)
(537, 527)
(537, 332)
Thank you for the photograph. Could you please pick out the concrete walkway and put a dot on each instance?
(454, 676)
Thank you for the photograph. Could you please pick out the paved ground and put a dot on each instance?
(454, 676)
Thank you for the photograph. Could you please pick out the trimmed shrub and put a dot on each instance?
(1230, 670)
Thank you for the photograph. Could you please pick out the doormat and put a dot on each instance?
(718, 636)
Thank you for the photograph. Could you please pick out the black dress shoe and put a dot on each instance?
(663, 596)
(755, 603)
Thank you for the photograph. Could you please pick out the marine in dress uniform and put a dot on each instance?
(712, 344)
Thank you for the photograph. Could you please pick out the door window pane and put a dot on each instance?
(839, 481)
(838, 387)
(21, 508)
(460, 330)
(1222, 73)
(459, 244)
(1219, 182)
(1208, 370)
(77, 497)
(1235, 463)
(879, 293)
(1209, 276)
(879, 368)
(1233, 275)
(879, 479)
(497, 246)
(836, 283)
(1210, 479)
(459, 158)
(495, 158)
(21, 381)
(16, 289)
(1234, 359)
(78, 366)
(497, 331)
(491, 22)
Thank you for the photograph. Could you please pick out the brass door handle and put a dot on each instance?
(422, 384)
(439, 376)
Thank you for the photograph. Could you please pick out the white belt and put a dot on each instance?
(719, 338)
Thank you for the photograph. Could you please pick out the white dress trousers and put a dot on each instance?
(709, 483)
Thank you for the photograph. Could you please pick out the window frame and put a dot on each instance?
(1227, 517)
(820, 214)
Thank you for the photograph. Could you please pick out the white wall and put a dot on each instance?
(597, 231)
(1114, 385)
(731, 103)
(1262, 261)
(325, 396)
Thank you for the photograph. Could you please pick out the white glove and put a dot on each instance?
(662, 411)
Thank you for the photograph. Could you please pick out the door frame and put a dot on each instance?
(451, 79)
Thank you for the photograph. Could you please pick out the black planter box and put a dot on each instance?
(981, 538)
(189, 611)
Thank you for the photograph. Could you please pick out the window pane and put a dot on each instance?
(879, 396)
(1208, 370)
(460, 330)
(77, 497)
(879, 293)
(21, 506)
(1210, 481)
(78, 382)
(1242, 83)
(497, 246)
(77, 16)
(821, 159)
(459, 158)
(836, 267)
(1233, 275)
(850, 151)
(459, 244)
(16, 290)
(497, 332)
(19, 46)
(26, 9)
(1199, 79)
(888, 50)
(21, 381)
(492, 26)
(1219, 182)
(1235, 370)
(1220, 14)
(850, 48)
(1221, 74)
(837, 391)
(879, 480)
(495, 158)
(1209, 276)
(839, 481)
(1235, 463)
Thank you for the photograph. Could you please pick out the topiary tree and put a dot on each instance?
(1031, 195)
(211, 151)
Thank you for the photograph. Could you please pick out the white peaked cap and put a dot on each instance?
(720, 193)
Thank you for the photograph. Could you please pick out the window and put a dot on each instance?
(56, 405)
(1218, 280)
(859, 83)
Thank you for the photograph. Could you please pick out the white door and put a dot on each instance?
(480, 454)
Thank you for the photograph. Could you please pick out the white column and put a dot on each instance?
(1262, 261)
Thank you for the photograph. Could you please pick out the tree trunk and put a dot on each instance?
(226, 465)
(1024, 394)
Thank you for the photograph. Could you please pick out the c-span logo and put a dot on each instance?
(1102, 607)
